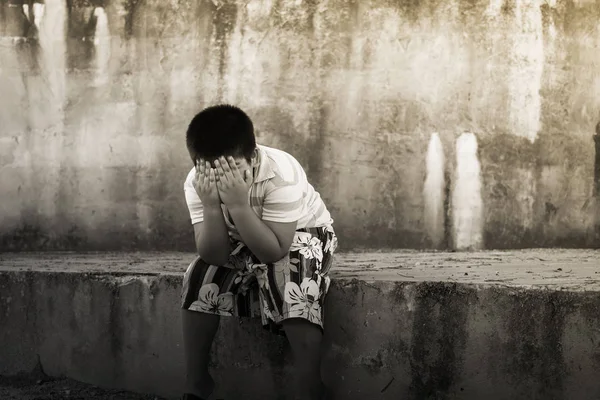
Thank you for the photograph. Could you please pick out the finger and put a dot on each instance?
(229, 167)
(199, 178)
(203, 166)
(209, 181)
(206, 172)
(217, 182)
(206, 176)
(220, 170)
(215, 169)
(236, 171)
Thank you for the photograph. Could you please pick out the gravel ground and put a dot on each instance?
(45, 388)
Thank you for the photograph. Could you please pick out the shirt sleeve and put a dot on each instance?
(193, 202)
(283, 203)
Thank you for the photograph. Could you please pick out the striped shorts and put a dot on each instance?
(293, 287)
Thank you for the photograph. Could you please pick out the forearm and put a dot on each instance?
(259, 238)
(213, 242)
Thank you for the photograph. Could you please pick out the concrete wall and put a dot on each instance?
(388, 336)
(94, 105)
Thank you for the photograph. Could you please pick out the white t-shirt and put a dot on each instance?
(280, 193)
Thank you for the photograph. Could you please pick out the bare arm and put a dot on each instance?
(269, 241)
(212, 239)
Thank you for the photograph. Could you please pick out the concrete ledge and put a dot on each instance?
(493, 325)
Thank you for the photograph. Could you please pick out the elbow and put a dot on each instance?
(274, 256)
(218, 258)
(212, 260)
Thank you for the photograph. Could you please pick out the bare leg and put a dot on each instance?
(199, 331)
(305, 340)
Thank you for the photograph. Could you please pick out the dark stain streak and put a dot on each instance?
(224, 21)
(535, 342)
(275, 15)
(447, 241)
(131, 7)
(597, 185)
(204, 18)
(320, 111)
(508, 8)
(317, 142)
(353, 22)
(3, 16)
(438, 338)
(90, 26)
(31, 309)
(312, 6)
(116, 328)
(502, 172)
(554, 369)
(31, 14)
(410, 8)
(551, 210)
(468, 11)
(597, 162)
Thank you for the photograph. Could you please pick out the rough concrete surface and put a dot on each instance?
(96, 97)
(498, 325)
(28, 388)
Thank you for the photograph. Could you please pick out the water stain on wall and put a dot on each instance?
(438, 339)
(353, 89)
(3, 17)
(81, 26)
(130, 10)
(224, 17)
(507, 188)
(533, 337)
(597, 161)
(117, 331)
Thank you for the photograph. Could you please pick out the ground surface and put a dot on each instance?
(570, 269)
(32, 388)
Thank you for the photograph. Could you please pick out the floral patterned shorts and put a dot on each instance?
(294, 287)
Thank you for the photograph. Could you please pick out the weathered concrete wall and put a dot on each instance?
(503, 330)
(94, 105)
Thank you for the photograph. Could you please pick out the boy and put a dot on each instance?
(265, 243)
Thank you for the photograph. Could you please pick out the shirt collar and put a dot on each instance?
(265, 169)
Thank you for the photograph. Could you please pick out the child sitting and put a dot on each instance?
(265, 242)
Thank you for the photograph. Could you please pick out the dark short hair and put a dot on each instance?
(221, 130)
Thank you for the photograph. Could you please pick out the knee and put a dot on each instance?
(199, 322)
(302, 332)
